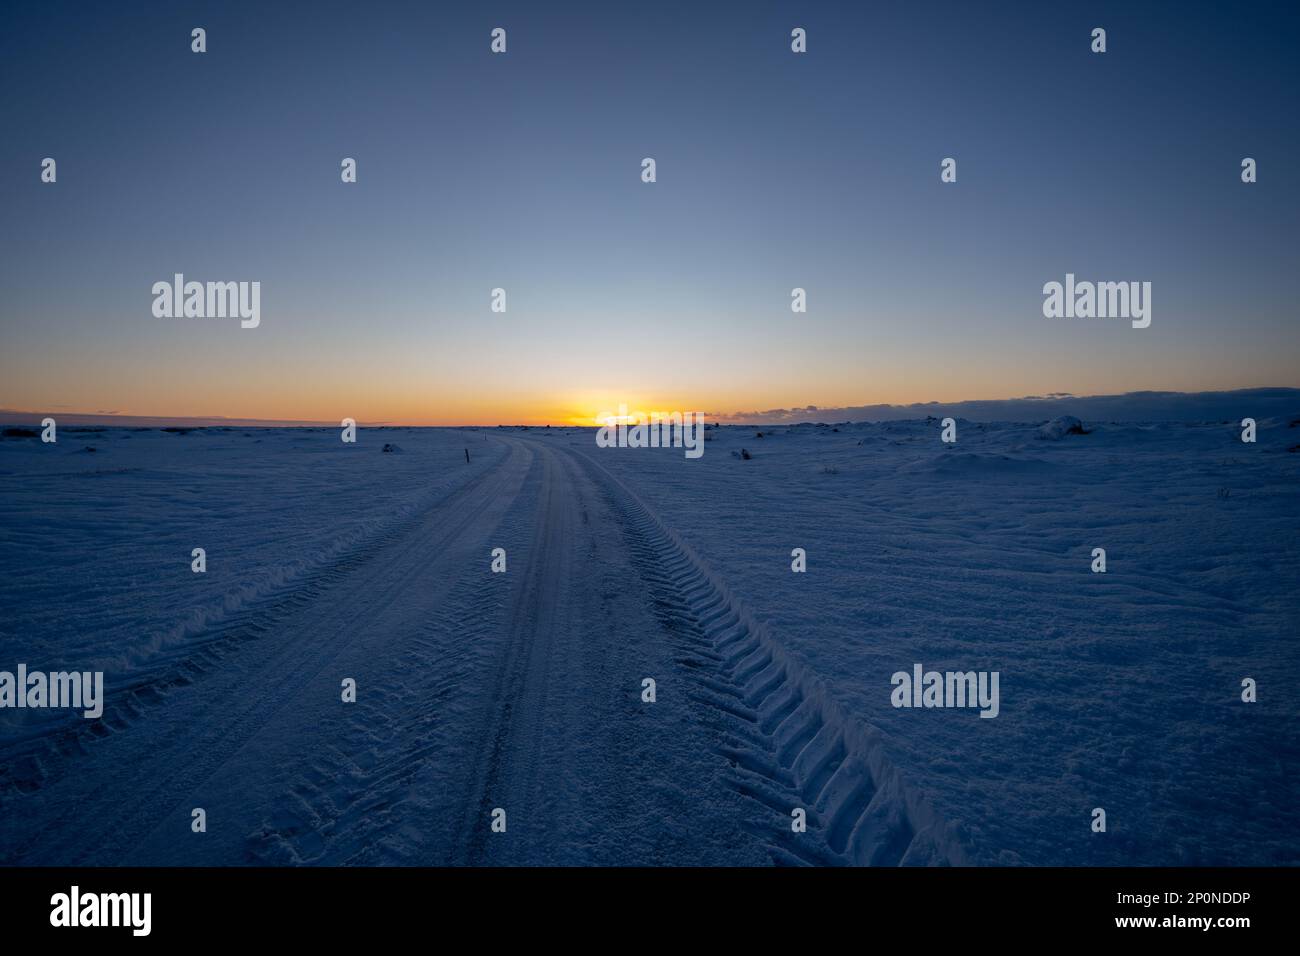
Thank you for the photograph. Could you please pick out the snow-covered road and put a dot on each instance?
(475, 691)
(524, 691)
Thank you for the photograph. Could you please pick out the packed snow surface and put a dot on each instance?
(526, 690)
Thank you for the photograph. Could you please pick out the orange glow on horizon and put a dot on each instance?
(569, 412)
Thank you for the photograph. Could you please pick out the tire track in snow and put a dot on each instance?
(511, 741)
(790, 745)
(362, 795)
(374, 795)
(587, 773)
(27, 762)
(184, 741)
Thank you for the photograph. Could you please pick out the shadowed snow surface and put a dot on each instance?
(524, 690)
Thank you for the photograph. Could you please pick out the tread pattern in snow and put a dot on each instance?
(788, 743)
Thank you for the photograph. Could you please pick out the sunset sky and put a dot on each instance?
(522, 171)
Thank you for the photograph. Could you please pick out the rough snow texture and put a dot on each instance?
(1119, 690)
(1058, 428)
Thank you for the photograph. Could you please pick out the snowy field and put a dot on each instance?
(1118, 690)
(524, 690)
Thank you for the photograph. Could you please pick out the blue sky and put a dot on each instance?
(522, 171)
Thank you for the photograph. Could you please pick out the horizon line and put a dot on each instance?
(806, 413)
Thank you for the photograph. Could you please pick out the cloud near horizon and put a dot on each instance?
(1141, 406)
